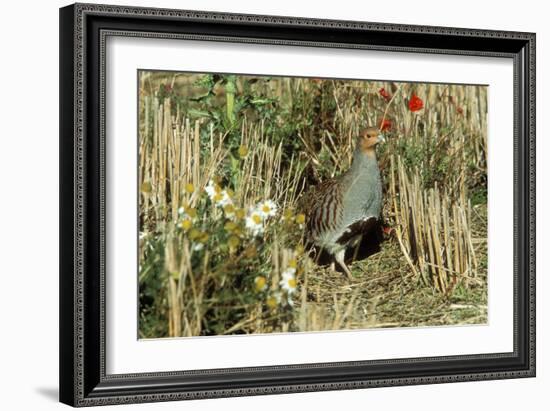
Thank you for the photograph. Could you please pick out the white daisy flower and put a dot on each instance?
(289, 300)
(222, 199)
(219, 196)
(211, 189)
(187, 215)
(288, 281)
(274, 300)
(255, 223)
(267, 208)
(229, 210)
(198, 246)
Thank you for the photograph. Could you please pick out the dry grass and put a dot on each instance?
(435, 234)
(430, 271)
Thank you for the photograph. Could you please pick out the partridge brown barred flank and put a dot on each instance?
(340, 210)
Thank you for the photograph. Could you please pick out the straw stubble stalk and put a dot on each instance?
(433, 231)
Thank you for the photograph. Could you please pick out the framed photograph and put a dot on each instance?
(261, 204)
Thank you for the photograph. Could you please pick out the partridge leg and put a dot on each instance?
(355, 244)
(339, 257)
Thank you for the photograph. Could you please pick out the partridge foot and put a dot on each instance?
(339, 257)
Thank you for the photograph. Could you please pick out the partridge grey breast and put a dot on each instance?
(341, 209)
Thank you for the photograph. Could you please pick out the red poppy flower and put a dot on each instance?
(384, 93)
(415, 103)
(387, 230)
(385, 125)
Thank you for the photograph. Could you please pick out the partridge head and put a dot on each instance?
(368, 139)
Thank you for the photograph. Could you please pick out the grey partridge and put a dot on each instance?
(342, 209)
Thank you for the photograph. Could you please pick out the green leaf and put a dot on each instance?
(197, 113)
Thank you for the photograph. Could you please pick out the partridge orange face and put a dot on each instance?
(369, 138)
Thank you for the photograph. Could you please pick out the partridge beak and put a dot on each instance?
(381, 138)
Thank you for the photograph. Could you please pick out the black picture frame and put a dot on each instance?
(83, 29)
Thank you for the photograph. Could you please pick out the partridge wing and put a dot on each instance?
(359, 227)
(325, 210)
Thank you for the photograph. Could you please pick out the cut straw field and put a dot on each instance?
(224, 163)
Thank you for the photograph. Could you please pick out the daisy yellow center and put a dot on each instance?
(230, 226)
(218, 197)
(291, 283)
(260, 283)
(186, 224)
(240, 213)
(257, 219)
(190, 188)
(292, 263)
(194, 234)
(229, 208)
(217, 189)
(300, 218)
(266, 208)
(243, 151)
(271, 302)
(233, 241)
(191, 212)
